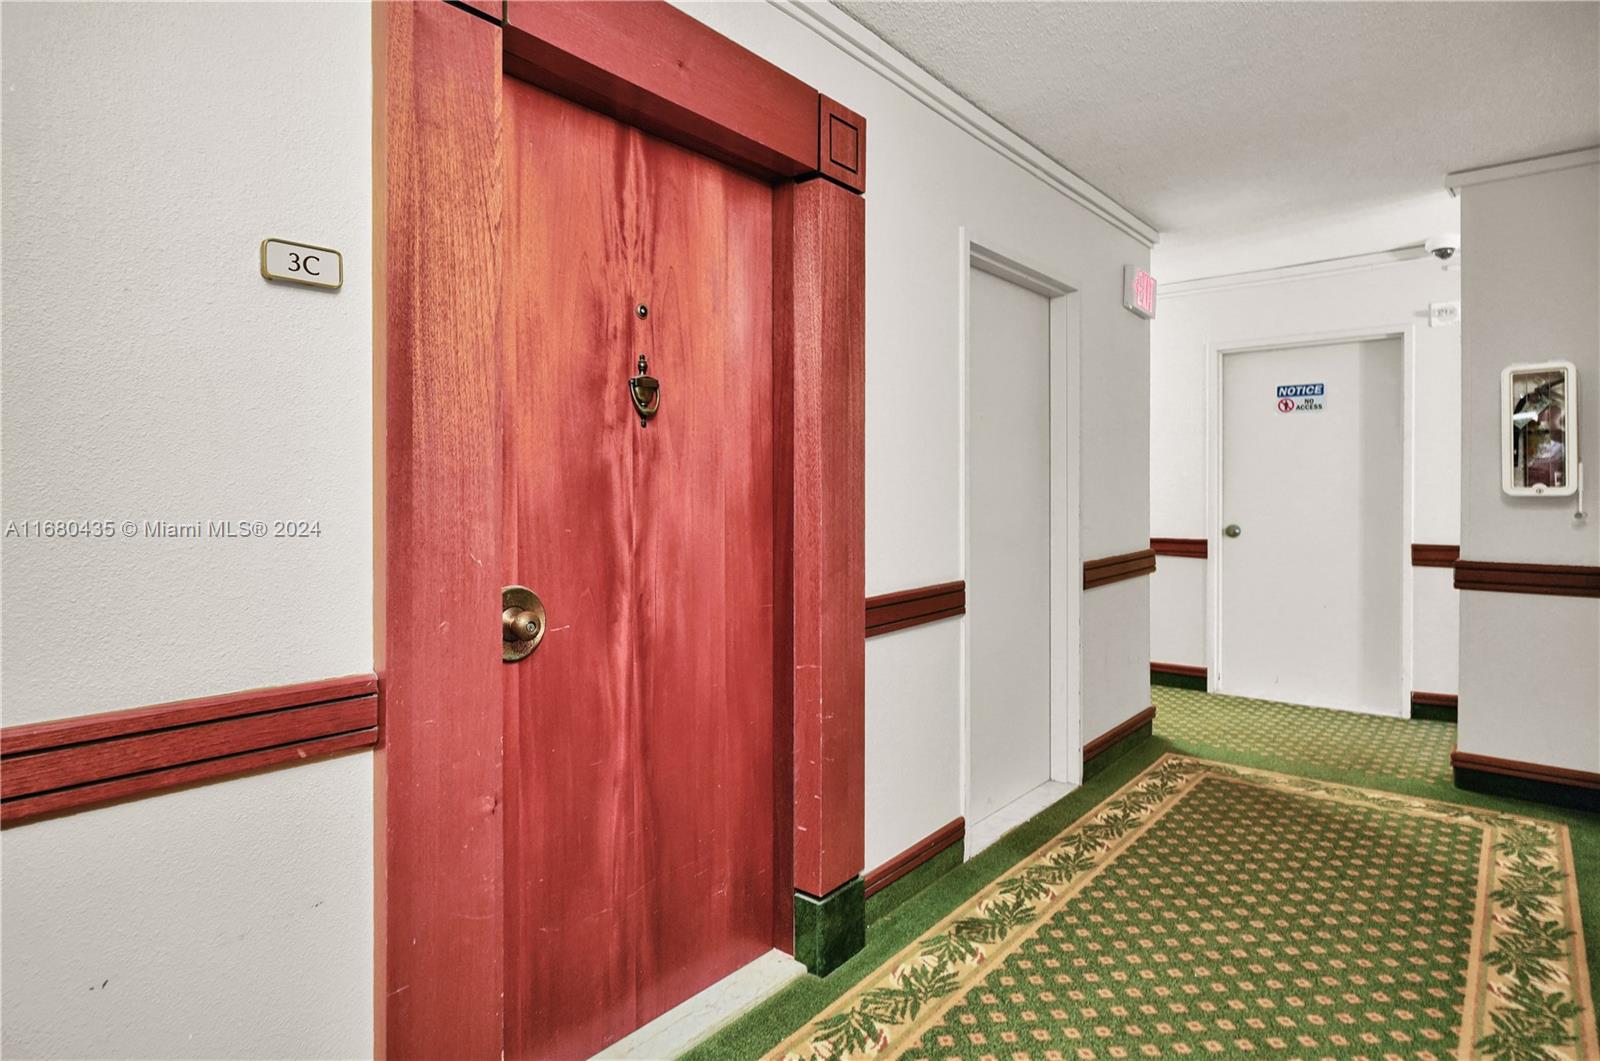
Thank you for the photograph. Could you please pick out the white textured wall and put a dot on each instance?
(1378, 297)
(1435, 630)
(1530, 665)
(926, 179)
(1178, 610)
(912, 717)
(150, 373)
(227, 920)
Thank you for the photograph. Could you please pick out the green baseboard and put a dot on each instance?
(1115, 751)
(1557, 795)
(829, 930)
(1178, 681)
(882, 902)
(1433, 712)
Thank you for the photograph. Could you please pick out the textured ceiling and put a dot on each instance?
(1212, 118)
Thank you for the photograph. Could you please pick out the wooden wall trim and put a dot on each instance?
(493, 10)
(1186, 670)
(70, 763)
(819, 315)
(1558, 580)
(913, 607)
(1434, 555)
(1555, 775)
(437, 173)
(1109, 569)
(714, 96)
(915, 855)
(842, 145)
(1450, 700)
(1195, 548)
(1122, 729)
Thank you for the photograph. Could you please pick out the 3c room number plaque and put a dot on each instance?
(301, 263)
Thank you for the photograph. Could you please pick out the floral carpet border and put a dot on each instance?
(1527, 989)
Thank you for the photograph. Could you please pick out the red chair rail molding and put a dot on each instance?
(1109, 569)
(1555, 580)
(1194, 548)
(888, 612)
(1424, 555)
(69, 763)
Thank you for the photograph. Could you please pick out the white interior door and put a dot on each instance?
(1008, 542)
(1310, 591)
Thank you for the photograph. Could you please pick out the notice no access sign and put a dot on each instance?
(1302, 397)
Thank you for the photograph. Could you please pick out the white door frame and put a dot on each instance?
(1215, 352)
(1066, 592)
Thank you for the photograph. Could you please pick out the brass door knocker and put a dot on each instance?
(646, 393)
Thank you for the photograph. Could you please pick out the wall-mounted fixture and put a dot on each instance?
(1444, 246)
(1138, 292)
(1539, 429)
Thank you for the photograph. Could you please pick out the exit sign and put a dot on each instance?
(1139, 291)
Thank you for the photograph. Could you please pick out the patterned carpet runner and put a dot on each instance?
(1397, 748)
(1208, 910)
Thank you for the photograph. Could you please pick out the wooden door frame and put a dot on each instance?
(440, 953)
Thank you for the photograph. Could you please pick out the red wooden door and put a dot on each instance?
(640, 857)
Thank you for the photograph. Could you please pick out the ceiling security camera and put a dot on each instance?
(1444, 247)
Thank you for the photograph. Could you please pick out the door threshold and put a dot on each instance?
(696, 1019)
(1013, 814)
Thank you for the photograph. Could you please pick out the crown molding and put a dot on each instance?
(1521, 168)
(851, 37)
(1299, 271)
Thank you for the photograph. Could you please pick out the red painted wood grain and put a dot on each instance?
(493, 9)
(842, 145)
(703, 666)
(821, 341)
(82, 764)
(70, 763)
(186, 773)
(440, 925)
(569, 339)
(81, 729)
(645, 721)
(450, 941)
(651, 65)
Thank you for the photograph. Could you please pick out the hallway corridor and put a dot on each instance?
(647, 530)
(1255, 878)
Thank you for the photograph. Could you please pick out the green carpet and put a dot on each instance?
(1291, 735)
(1394, 884)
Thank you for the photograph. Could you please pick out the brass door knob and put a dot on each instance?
(521, 626)
(522, 622)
